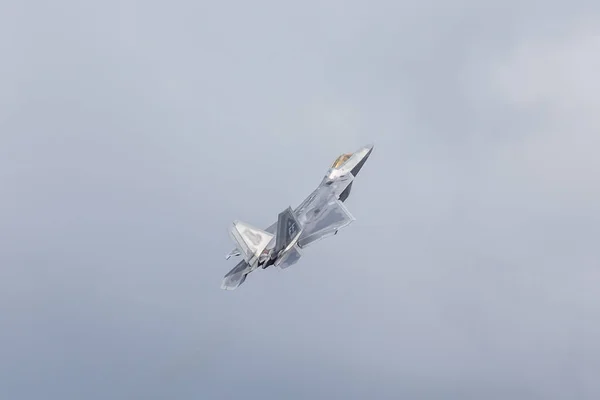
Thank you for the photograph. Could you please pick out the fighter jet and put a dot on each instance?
(320, 215)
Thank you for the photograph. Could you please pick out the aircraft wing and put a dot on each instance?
(334, 217)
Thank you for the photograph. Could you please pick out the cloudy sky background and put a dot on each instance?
(133, 133)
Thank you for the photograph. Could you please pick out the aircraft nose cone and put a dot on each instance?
(360, 164)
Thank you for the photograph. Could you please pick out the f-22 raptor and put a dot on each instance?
(320, 215)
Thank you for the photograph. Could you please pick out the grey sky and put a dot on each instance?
(133, 133)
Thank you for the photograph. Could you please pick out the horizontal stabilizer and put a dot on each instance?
(250, 241)
(289, 258)
(236, 276)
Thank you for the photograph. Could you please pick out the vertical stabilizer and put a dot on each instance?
(250, 241)
(288, 230)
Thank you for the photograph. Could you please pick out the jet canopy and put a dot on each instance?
(340, 160)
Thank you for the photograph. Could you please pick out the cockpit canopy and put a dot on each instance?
(340, 160)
